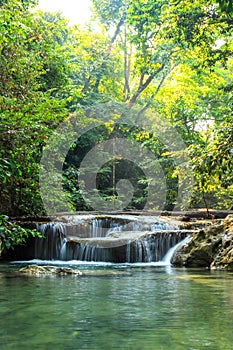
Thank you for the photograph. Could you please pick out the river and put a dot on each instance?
(116, 306)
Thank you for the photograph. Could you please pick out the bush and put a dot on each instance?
(12, 234)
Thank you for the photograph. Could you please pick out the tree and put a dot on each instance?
(27, 112)
(175, 60)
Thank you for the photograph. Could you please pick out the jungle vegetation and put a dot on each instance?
(172, 58)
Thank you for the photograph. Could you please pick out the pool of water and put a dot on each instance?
(116, 307)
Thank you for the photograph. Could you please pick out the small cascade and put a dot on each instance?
(97, 228)
(101, 227)
(117, 240)
(63, 249)
(153, 247)
(50, 246)
(87, 252)
(163, 226)
(168, 257)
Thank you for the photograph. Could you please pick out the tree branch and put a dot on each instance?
(142, 86)
(153, 95)
(156, 91)
(127, 64)
(103, 64)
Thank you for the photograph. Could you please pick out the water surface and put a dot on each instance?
(117, 307)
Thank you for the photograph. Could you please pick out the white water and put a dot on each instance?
(110, 239)
(166, 261)
(167, 258)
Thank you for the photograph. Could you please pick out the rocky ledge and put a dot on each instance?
(211, 247)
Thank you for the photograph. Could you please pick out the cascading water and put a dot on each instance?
(50, 247)
(108, 239)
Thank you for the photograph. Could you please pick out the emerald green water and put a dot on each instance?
(117, 307)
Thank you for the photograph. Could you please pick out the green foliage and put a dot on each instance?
(28, 114)
(12, 234)
(109, 11)
(174, 58)
(226, 6)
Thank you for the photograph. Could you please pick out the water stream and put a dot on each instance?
(139, 302)
(115, 239)
(116, 306)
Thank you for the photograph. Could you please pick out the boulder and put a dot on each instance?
(211, 247)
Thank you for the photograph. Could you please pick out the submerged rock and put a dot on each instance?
(48, 270)
(211, 247)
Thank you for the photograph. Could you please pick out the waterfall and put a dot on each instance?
(101, 227)
(167, 258)
(50, 246)
(108, 239)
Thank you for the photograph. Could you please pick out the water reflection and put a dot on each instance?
(139, 308)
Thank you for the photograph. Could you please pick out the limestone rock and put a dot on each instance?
(211, 247)
(37, 270)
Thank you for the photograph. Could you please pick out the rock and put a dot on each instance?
(37, 270)
(47, 270)
(211, 247)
